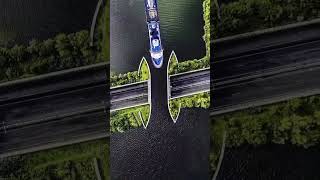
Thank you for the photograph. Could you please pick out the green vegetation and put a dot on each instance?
(69, 162)
(241, 16)
(62, 52)
(201, 100)
(144, 71)
(295, 122)
(102, 34)
(126, 119)
(206, 36)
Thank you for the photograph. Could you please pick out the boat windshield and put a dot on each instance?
(153, 14)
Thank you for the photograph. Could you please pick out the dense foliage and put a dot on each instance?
(201, 100)
(235, 17)
(69, 162)
(296, 121)
(61, 52)
(39, 57)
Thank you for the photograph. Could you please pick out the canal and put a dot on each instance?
(181, 26)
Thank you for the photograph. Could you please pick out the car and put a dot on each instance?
(156, 50)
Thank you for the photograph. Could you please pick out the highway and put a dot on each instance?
(248, 64)
(266, 89)
(53, 110)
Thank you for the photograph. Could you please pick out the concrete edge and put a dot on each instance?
(149, 93)
(215, 175)
(94, 21)
(174, 119)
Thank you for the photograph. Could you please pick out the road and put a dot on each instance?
(53, 110)
(185, 84)
(266, 90)
(247, 64)
(55, 133)
(129, 95)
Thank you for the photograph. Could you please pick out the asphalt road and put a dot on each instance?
(190, 83)
(266, 90)
(53, 106)
(245, 65)
(129, 95)
(61, 108)
(81, 127)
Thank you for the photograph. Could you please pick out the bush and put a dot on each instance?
(39, 57)
(295, 121)
(241, 16)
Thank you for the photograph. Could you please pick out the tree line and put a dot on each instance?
(38, 57)
(235, 17)
(296, 122)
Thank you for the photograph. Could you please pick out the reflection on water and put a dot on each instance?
(181, 24)
(22, 20)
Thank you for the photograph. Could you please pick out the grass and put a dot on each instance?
(144, 71)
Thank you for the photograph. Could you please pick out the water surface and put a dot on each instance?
(23, 20)
(181, 25)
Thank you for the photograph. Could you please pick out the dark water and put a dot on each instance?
(181, 25)
(23, 20)
(271, 162)
(163, 151)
